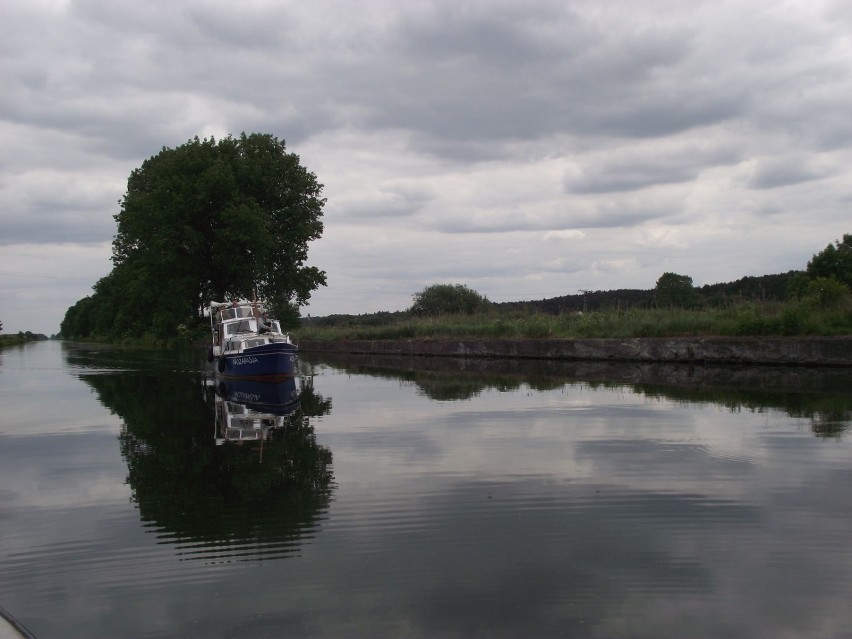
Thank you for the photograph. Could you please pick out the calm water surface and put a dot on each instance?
(432, 498)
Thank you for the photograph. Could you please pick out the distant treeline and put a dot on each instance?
(762, 288)
(21, 337)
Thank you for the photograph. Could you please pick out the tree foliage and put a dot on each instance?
(444, 299)
(673, 290)
(835, 260)
(207, 220)
(827, 293)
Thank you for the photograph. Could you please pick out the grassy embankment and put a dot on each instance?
(764, 319)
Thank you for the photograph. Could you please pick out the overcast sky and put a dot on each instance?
(525, 149)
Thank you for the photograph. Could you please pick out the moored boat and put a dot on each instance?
(246, 343)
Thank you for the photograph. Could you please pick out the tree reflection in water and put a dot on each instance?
(219, 502)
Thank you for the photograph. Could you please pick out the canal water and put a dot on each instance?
(140, 497)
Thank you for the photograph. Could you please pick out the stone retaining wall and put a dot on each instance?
(800, 351)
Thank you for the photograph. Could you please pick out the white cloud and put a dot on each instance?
(564, 234)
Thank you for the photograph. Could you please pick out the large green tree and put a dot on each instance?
(835, 261)
(209, 220)
(673, 290)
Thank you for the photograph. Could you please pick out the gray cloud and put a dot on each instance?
(631, 171)
(652, 120)
(389, 202)
(548, 72)
(70, 226)
(778, 172)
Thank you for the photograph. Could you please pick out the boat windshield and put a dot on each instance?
(243, 326)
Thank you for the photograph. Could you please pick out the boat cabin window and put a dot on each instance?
(238, 327)
(234, 313)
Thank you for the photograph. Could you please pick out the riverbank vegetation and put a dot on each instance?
(816, 301)
(21, 337)
(749, 318)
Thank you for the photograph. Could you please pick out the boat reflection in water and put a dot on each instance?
(207, 497)
(265, 482)
(248, 410)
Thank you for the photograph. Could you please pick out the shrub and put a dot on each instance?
(443, 299)
(827, 293)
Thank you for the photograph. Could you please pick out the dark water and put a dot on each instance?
(430, 498)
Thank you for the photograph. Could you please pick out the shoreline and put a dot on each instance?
(785, 351)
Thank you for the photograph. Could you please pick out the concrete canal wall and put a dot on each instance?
(798, 351)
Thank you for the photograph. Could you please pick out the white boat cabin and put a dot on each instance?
(235, 327)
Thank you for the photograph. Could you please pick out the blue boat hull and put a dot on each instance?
(269, 361)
